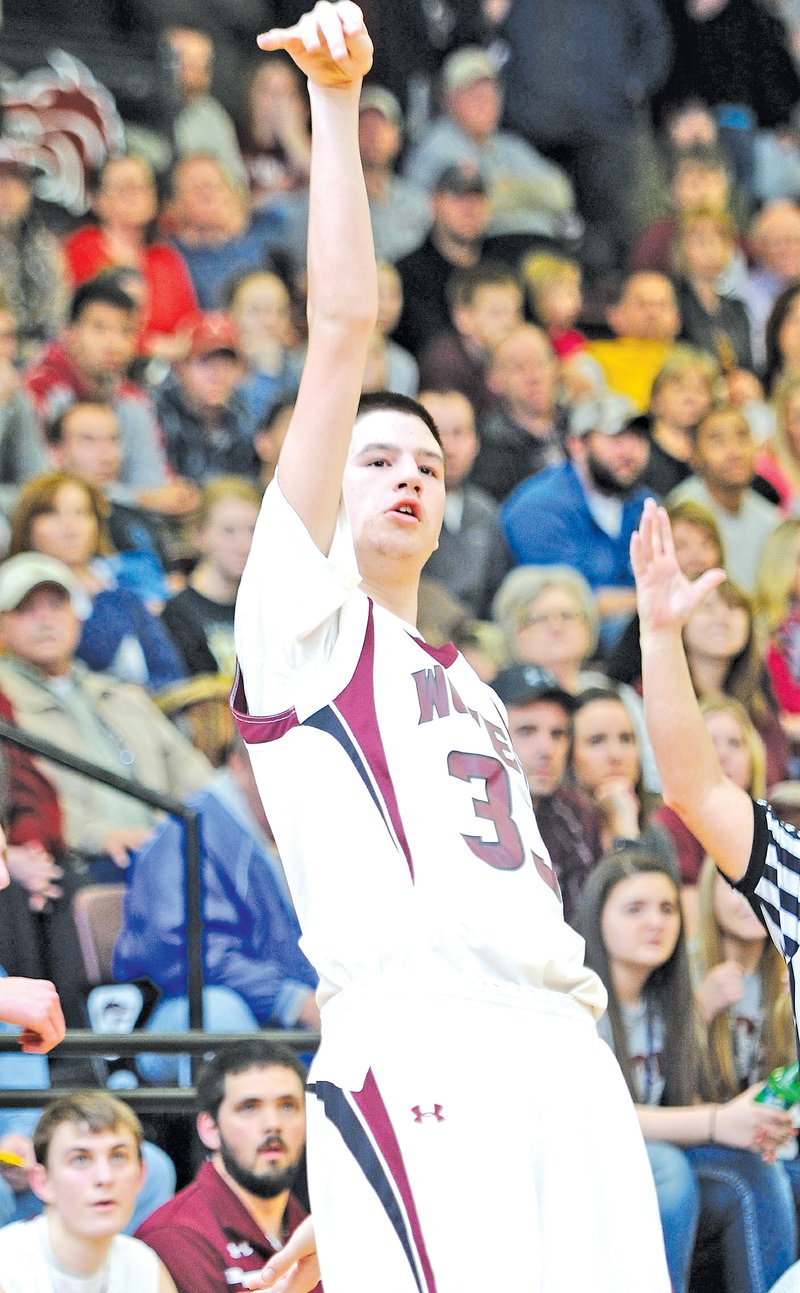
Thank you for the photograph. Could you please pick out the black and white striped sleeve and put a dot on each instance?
(772, 879)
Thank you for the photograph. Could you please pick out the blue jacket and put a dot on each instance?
(547, 522)
(251, 933)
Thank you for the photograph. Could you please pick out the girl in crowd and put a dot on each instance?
(548, 617)
(389, 366)
(261, 307)
(682, 394)
(712, 1163)
(777, 608)
(778, 461)
(743, 758)
(126, 207)
(698, 547)
(782, 338)
(64, 517)
(274, 135)
(605, 764)
(714, 322)
(725, 661)
(200, 618)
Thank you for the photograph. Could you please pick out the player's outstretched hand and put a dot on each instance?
(34, 1006)
(294, 1269)
(664, 596)
(331, 44)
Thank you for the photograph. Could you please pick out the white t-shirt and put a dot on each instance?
(402, 815)
(27, 1264)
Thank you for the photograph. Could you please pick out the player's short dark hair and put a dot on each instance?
(464, 284)
(374, 401)
(98, 291)
(252, 1053)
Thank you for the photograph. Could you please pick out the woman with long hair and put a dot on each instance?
(713, 1163)
(126, 209)
(778, 460)
(62, 516)
(605, 764)
(724, 656)
(743, 758)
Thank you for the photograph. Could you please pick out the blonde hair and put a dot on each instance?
(220, 488)
(722, 220)
(776, 577)
(525, 584)
(541, 270)
(778, 445)
(753, 743)
(682, 359)
(97, 1110)
(777, 1037)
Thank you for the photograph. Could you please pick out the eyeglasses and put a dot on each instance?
(550, 617)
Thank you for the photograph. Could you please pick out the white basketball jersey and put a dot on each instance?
(402, 815)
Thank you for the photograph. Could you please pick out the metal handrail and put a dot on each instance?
(82, 1041)
(135, 790)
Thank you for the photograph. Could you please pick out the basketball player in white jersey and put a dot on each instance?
(458, 1020)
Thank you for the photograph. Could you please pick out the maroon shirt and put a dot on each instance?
(207, 1239)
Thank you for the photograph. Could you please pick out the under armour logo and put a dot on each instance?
(435, 1112)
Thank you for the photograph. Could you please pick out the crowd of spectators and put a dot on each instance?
(587, 226)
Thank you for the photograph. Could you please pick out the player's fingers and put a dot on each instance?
(329, 27)
(704, 585)
(663, 533)
(277, 38)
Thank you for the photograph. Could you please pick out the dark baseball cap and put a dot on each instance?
(522, 684)
(460, 178)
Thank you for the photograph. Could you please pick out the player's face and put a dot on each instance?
(604, 745)
(730, 744)
(641, 922)
(394, 490)
(734, 914)
(260, 1128)
(91, 1179)
(540, 735)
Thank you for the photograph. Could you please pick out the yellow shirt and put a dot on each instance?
(630, 366)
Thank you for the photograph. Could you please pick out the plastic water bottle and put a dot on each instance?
(782, 1087)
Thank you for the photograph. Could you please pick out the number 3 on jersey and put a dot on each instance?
(507, 852)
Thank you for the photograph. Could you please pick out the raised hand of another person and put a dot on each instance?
(619, 804)
(722, 986)
(33, 1005)
(294, 1269)
(34, 868)
(665, 597)
(330, 45)
(120, 843)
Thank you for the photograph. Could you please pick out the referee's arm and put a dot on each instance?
(693, 784)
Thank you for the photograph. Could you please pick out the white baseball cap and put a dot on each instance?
(28, 570)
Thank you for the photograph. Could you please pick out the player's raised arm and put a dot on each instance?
(692, 781)
(332, 47)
